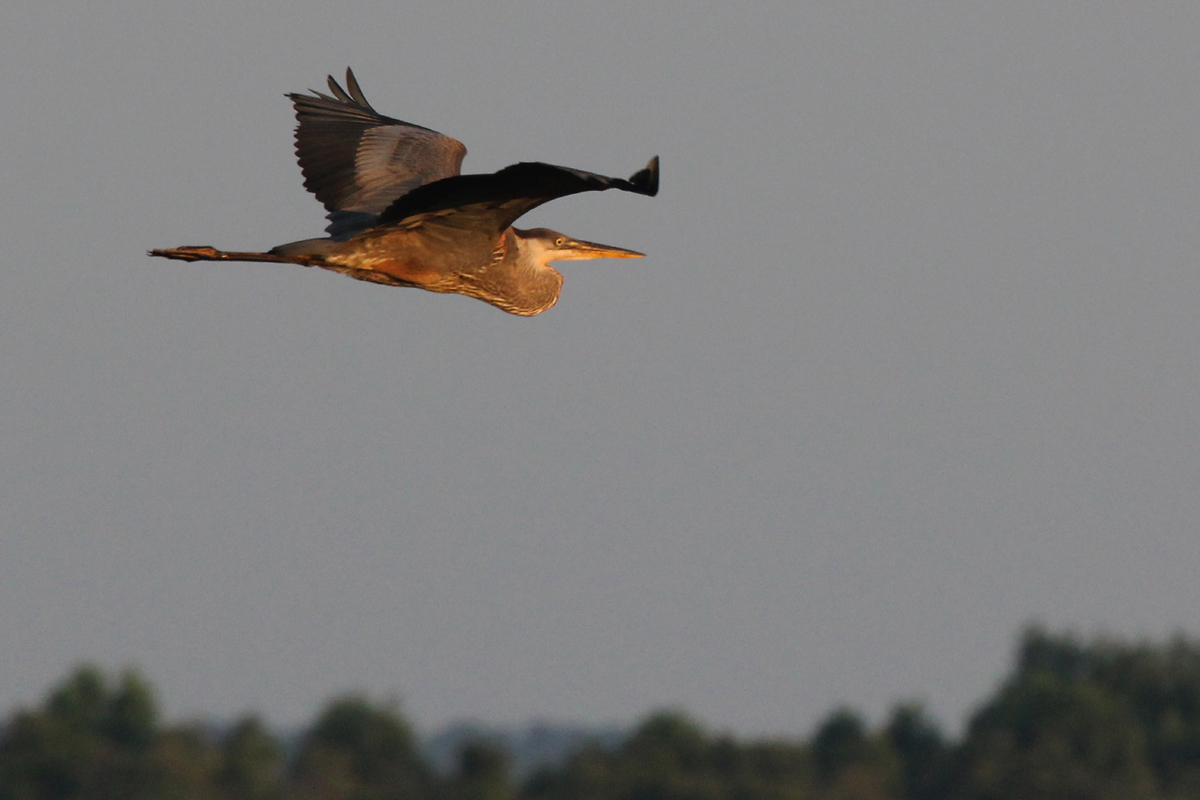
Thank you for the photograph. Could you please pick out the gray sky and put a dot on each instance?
(914, 359)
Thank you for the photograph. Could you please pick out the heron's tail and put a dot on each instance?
(318, 248)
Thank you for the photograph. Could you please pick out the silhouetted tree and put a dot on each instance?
(251, 763)
(1075, 720)
(484, 773)
(1048, 737)
(88, 740)
(840, 741)
(922, 750)
(670, 757)
(362, 752)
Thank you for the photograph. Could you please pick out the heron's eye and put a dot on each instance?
(560, 241)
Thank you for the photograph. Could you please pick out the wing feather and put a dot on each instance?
(490, 203)
(357, 161)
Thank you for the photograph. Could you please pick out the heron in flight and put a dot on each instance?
(401, 214)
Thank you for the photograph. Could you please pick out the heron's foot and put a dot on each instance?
(213, 254)
(204, 253)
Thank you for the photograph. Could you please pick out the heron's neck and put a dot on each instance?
(518, 279)
(539, 282)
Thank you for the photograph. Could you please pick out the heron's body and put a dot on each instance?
(402, 215)
(500, 271)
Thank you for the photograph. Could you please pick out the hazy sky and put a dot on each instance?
(914, 359)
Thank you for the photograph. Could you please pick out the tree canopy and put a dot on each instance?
(1073, 720)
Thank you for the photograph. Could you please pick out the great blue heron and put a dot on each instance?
(401, 214)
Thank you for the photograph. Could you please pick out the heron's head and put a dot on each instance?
(546, 245)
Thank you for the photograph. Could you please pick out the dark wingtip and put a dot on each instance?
(355, 90)
(645, 181)
(334, 88)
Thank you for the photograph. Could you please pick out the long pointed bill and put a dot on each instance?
(579, 251)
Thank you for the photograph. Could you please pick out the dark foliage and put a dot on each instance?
(1073, 721)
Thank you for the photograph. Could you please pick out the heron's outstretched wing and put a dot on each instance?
(490, 203)
(357, 161)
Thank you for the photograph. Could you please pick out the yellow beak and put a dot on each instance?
(576, 250)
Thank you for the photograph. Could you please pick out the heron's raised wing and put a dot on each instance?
(357, 161)
(490, 203)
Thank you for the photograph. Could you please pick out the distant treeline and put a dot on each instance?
(1073, 721)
